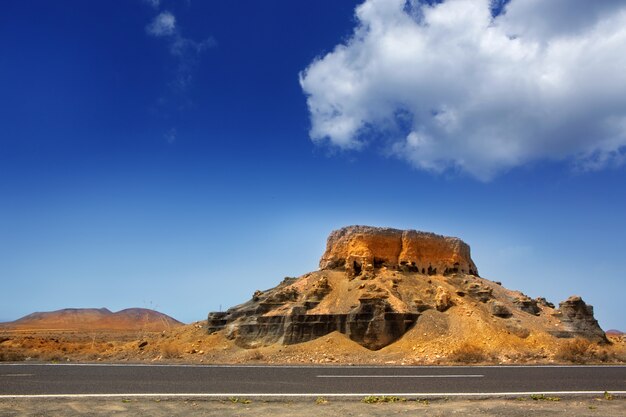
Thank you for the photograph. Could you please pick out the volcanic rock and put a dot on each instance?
(361, 249)
(577, 318)
(527, 304)
(498, 309)
(375, 284)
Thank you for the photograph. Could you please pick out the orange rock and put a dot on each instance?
(361, 249)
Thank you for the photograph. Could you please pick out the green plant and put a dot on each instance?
(236, 400)
(542, 397)
(608, 396)
(321, 400)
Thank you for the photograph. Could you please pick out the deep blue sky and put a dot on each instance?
(121, 188)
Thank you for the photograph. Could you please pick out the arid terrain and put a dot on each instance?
(514, 407)
(381, 296)
(191, 344)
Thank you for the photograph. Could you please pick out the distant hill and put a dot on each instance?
(614, 332)
(94, 319)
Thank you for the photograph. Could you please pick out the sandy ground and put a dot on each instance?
(191, 344)
(307, 407)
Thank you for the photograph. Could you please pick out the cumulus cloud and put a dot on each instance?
(450, 86)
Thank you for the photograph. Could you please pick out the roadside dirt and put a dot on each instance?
(521, 407)
(192, 344)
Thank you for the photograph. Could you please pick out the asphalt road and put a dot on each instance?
(103, 379)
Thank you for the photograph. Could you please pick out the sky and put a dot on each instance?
(179, 155)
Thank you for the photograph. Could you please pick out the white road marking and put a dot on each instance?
(308, 395)
(400, 376)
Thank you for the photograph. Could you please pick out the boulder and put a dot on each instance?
(498, 309)
(527, 305)
(443, 299)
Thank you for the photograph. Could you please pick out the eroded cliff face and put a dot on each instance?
(375, 284)
(362, 249)
(578, 320)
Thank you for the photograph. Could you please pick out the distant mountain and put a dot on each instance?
(614, 332)
(94, 319)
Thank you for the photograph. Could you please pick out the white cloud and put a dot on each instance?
(186, 50)
(451, 87)
(163, 25)
(542, 19)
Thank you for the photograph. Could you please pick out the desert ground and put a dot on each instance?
(191, 344)
(516, 407)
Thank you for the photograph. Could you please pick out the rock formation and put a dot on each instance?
(577, 318)
(375, 283)
(361, 249)
(373, 323)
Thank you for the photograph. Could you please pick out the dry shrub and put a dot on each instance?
(7, 355)
(51, 357)
(524, 356)
(468, 353)
(580, 351)
(255, 355)
(170, 350)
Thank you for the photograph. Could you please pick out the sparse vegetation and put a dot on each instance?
(542, 397)
(374, 399)
(468, 353)
(608, 396)
(321, 400)
(237, 400)
(581, 351)
(256, 355)
(170, 350)
(11, 356)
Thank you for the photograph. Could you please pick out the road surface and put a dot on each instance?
(67, 380)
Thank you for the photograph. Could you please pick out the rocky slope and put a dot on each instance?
(399, 290)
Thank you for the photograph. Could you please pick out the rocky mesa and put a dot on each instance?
(392, 289)
(363, 249)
